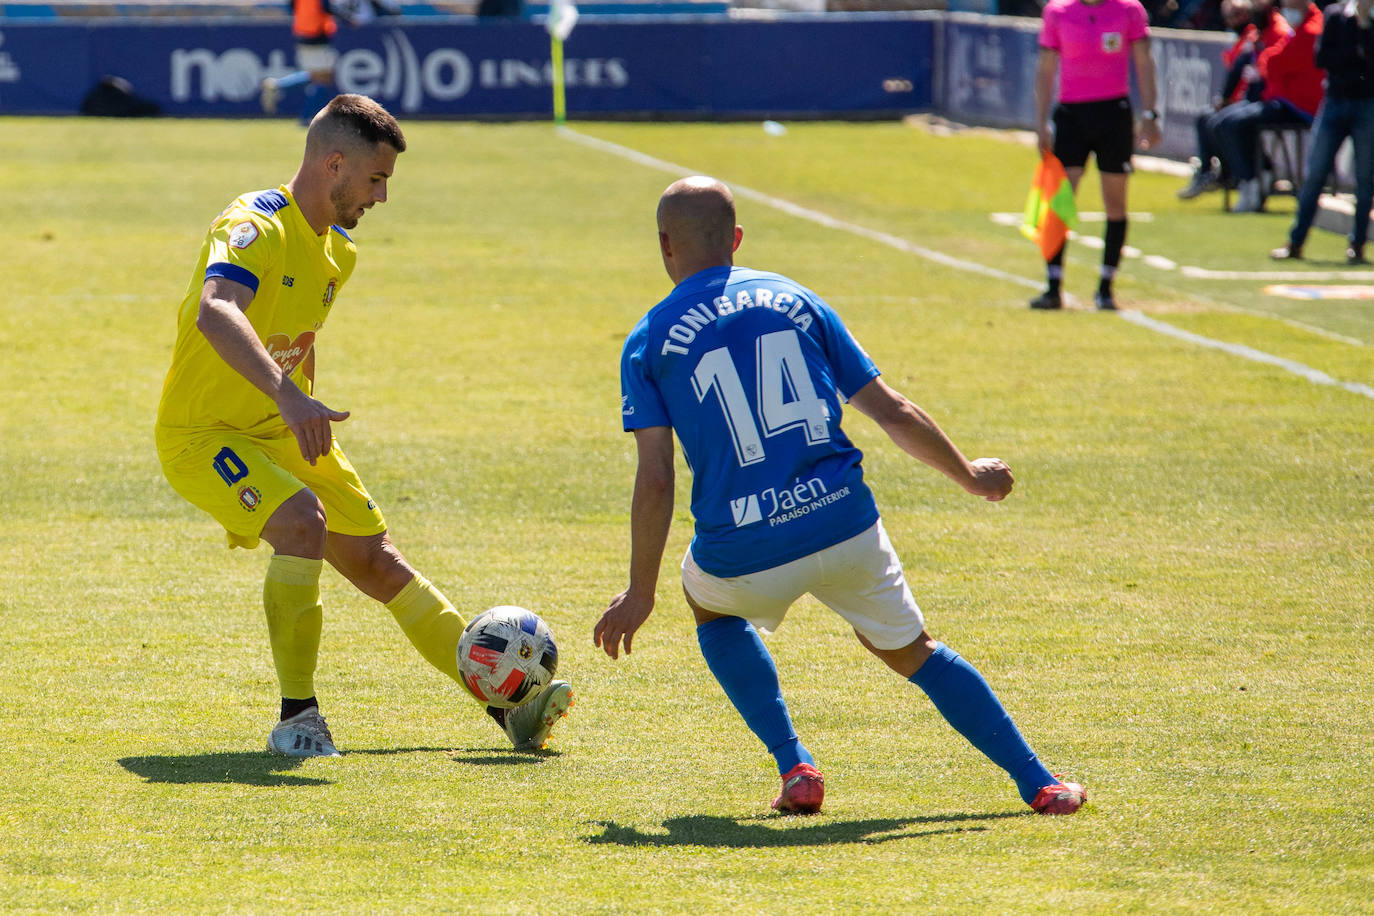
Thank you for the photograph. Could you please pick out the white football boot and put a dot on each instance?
(303, 735)
(528, 725)
(269, 95)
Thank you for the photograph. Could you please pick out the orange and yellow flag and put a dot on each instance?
(1050, 208)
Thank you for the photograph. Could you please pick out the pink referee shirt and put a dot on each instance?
(1094, 45)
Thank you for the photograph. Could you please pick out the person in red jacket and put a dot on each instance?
(1292, 95)
(1242, 85)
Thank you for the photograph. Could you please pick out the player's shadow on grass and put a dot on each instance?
(240, 767)
(263, 769)
(499, 757)
(756, 833)
(474, 756)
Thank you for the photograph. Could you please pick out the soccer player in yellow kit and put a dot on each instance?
(241, 435)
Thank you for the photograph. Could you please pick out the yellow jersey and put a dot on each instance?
(263, 241)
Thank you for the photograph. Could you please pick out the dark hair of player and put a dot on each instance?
(351, 120)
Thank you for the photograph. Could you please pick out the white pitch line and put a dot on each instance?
(939, 257)
(815, 216)
(1135, 216)
(1202, 273)
(1313, 329)
(1188, 270)
(1087, 216)
(1250, 353)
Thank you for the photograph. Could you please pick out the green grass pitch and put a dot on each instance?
(1174, 604)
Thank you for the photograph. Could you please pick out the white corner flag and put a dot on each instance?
(562, 18)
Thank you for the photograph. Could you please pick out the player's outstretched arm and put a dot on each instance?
(918, 435)
(651, 515)
(222, 320)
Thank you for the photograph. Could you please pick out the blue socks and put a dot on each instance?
(968, 703)
(299, 78)
(737, 657)
(740, 662)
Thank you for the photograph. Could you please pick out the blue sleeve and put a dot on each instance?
(853, 368)
(233, 272)
(641, 404)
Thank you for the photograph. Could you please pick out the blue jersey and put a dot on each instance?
(748, 369)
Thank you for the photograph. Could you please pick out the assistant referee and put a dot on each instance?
(1090, 45)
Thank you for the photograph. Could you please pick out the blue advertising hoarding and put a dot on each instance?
(979, 69)
(839, 66)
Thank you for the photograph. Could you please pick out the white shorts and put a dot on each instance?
(860, 579)
(314, 58)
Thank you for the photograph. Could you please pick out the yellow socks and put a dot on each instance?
(430, 623)
(291, 597)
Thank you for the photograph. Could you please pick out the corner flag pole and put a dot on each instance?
(561, 19)
(560, 104)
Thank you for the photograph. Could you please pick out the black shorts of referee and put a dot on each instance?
(1105, 128)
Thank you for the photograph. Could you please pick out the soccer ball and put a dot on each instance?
(506, 656)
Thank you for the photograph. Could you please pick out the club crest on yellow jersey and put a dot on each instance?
(329, 292)
(243, 235)
(250, 497)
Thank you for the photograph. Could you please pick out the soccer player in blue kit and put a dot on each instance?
(748, 369)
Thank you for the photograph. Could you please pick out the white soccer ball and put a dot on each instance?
(506, 656)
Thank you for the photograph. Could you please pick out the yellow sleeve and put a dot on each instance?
(244, 246)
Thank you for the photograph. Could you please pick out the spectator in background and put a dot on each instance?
(1292, 94)
(1207, 16)
(1091, 45)
(1270, 22)
(1240, 65)
(313, 25)
(1345, 51)
(1160, 13)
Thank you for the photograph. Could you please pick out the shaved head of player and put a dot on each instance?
(696, 226)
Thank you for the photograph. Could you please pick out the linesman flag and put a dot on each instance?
(1050, 208)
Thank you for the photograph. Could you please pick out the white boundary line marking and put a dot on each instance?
(1259, 356)
(814, 216)
(1313, 276)
(1013, 220)
(1313, 329)
(1312, 375)
(1165, 264)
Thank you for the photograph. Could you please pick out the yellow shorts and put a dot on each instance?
(242, 479)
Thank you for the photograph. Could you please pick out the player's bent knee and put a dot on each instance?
(372, 563)
(387, 570)
(298, 527)
(906, 660)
